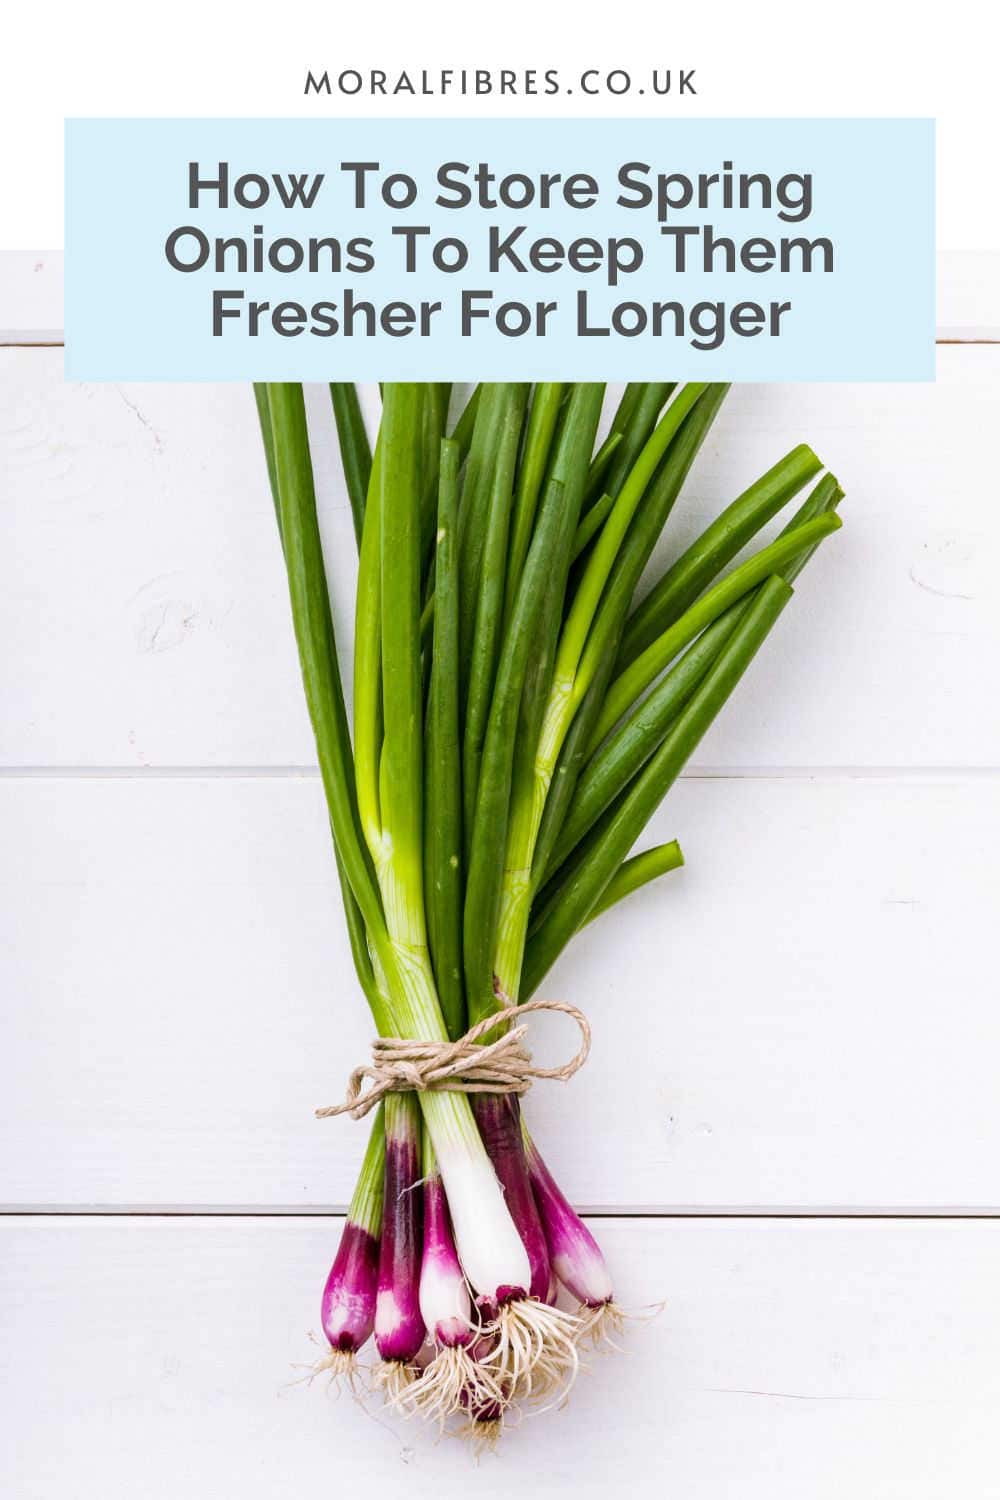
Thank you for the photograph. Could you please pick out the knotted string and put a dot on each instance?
(402, 1065)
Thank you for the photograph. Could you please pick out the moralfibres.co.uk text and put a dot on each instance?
(497, 83)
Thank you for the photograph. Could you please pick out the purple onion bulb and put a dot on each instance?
(576, 1255)
(348, 1310)
(499, 1119)
(399, 1328)
(445, 1304)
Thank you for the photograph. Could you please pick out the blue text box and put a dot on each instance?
(865, 311)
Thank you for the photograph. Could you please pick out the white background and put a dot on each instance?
(807, 1172)
(805, 1163)
(867, 57)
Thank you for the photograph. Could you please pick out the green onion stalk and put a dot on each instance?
(517, 717)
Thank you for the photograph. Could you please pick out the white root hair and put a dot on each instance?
(483, 1435)
(450, 1383)
(339, 1365)
(604, 1325)
(534, 1354)
(393, 1378)
(484, 1426)
(601, 1326)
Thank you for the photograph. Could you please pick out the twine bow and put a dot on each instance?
(401, 1065)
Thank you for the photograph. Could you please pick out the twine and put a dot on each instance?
(401, 1065)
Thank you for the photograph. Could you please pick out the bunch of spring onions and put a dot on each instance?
(520, 709)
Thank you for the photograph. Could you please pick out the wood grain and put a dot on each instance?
(141, 578)
(792, 1359)
(815, 989)
(816, 1009)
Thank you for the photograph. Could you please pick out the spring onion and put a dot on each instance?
(349, 1296)
(399, 1325)
(517, 716)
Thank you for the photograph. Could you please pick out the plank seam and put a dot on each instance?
(311, 773)
(136, 1211)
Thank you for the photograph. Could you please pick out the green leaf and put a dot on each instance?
(355, 451)
(717, 545)
(443, 865)
(317, 648)
(609, 843)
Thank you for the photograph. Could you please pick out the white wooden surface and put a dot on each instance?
(968, 296)
(809, 1358)
(139, 534)
(31, 296)
(821, 1017)
(819, 983)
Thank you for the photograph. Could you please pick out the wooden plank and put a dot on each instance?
(968, 296)
(141, 578)
(31, 296)
(793, 1358)
(804, 1017)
